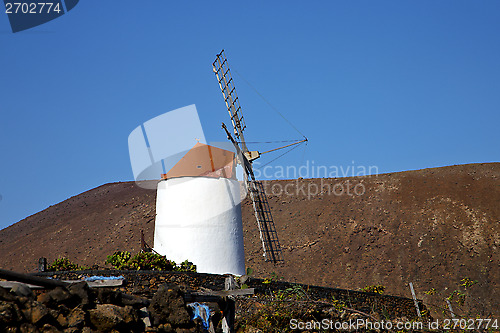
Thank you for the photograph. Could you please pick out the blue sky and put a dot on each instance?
(399, 85)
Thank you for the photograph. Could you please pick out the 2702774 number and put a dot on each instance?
(31, 8)
(470, 324)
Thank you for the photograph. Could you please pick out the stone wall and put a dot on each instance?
(145, 284)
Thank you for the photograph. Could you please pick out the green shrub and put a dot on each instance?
(63, 264)
(467, 283)
(431, 291)
(140, 261)
(271, 315)
(338, 305)
(186, 266)
(378, 289)
(119, 259)
(295, 291)
(151, 261)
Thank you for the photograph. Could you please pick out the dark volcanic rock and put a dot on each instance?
(108, 317)
(47, 328)
(81, 292)
(36, 313)
(76, 318)
(28, 328)
(5, 295)
(168, 306)
(55, 297)
(21, 290)
(109, 296)
(71, 309)
(8, 313)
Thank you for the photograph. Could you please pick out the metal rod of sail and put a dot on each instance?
(226, 84)
(291, 144)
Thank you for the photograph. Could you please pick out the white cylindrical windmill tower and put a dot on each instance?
(198, 212)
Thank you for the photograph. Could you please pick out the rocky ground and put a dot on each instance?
(81, 309)
(148, 301)
(78, 309)
(433, 227)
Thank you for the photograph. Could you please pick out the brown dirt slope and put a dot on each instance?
(432, 227)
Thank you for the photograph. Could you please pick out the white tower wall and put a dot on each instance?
(199, 219)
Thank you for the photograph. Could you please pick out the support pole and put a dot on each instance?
(415, 300)
(451, 309)
(42, 264)
(230, 308)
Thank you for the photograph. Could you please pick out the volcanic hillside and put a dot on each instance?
(432, 227)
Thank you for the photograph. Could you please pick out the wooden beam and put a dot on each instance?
(29, 279)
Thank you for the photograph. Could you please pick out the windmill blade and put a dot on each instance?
(226, 84)
(265, 222)
(267, 230)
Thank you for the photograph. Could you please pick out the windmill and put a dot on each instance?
(198, 207)
(267, 230)
(198, 200)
